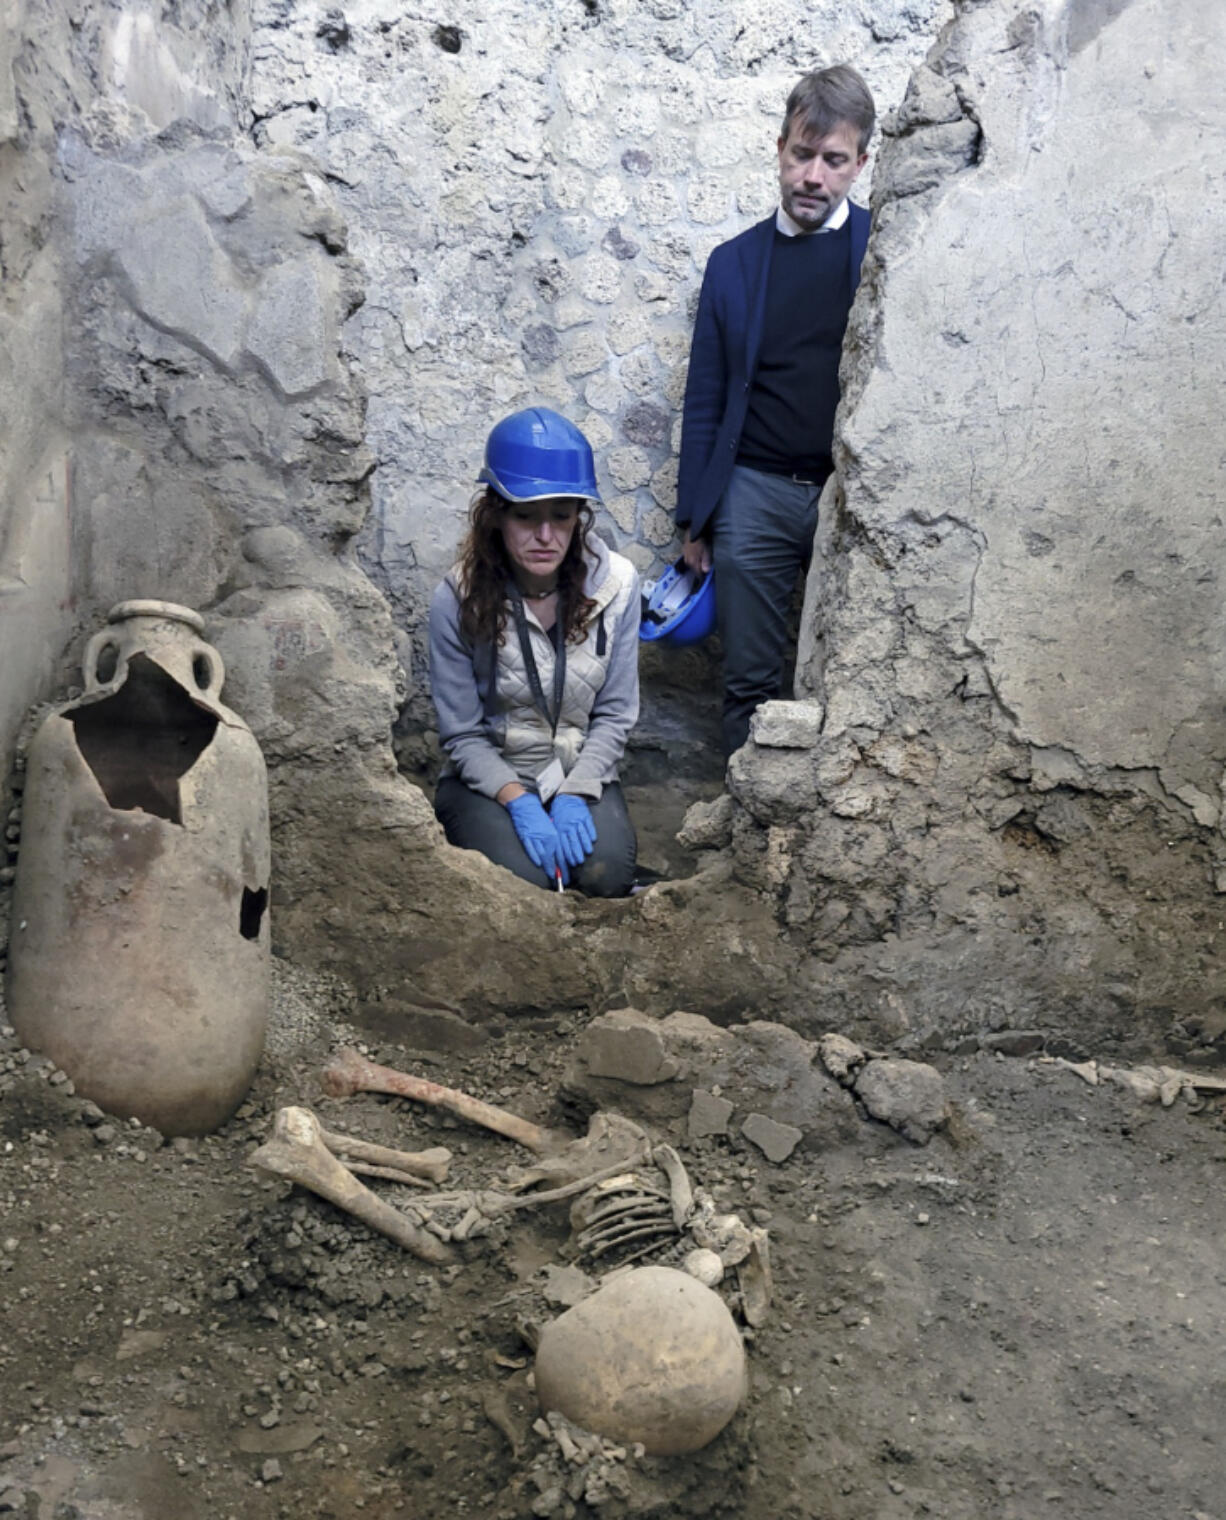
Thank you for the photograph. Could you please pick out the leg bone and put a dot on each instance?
(349, 1073)
(431, 1164)
(297, 1152)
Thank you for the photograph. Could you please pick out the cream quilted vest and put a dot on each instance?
(520, 732)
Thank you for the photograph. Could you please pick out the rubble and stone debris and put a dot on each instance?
(759, 1067)
(775, 1141)
(629, 1046)
(710, 1114)
(909, 1096)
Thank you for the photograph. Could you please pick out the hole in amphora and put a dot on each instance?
(106, 664)
(202, 672)
(251, 912)
(143, 739)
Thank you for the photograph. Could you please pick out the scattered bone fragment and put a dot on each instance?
(430, 1164)
(387, 1173)
(729, 1237)
(611, 1140)
(681, 1193)
(653, 1356)
(756, 1280)
(1086, 1070)
(1151, 1084)
(1139, 1084)
(496, 1407)
(348, 1073)
(705, 1266)
(1170, 1089)
(297, 1152)
(841, 1057)
(565, 1286)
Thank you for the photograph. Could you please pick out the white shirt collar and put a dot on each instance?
(790, 228)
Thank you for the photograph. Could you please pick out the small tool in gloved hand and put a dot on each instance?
(573, 820)
(539, 836)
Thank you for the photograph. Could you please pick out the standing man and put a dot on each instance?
(763, 385)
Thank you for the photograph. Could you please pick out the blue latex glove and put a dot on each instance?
(538, 835)
(573, 820)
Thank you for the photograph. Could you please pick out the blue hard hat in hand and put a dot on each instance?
(537, 453)
(680, 608)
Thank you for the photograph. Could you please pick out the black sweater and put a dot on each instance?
(790, 421)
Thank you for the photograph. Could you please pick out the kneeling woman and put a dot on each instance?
(534, 668)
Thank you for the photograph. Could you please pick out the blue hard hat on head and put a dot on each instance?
(680, 608)
(537, 453)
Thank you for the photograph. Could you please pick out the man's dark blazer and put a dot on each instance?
(723, 357)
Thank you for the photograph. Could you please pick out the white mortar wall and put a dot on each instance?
(534, 211)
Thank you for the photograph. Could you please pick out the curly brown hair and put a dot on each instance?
(485, 568)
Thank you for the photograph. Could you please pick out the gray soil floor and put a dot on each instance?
(1023, 1318)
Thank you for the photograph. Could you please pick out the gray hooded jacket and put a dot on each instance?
(490, 743)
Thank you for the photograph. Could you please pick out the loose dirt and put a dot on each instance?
(1022, 1318)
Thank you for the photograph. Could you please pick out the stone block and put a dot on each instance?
(599, 278)
(658, 527)
(710, 1114)
(629, 466)
(628, 1046)
(841, 1057)
(787, 725)
(641, 375)
(583, 352)
(909, 1096)
(619, 245)
(645, 424)
(776, 1141)
(610, 199)
(664, 485)
(707, 825)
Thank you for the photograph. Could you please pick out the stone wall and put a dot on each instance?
(1012, 810)
(530, 195)
(1000, 799)
(532, 190)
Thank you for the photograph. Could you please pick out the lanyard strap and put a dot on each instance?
(534, 675)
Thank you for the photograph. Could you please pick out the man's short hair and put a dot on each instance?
(826, 98)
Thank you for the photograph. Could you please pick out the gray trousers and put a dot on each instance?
(474, 822)
(761, 540)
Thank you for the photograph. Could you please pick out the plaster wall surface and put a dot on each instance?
(129, 70)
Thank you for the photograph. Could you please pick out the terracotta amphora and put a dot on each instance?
(139, 947)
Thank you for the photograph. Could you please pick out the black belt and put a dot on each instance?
(793, 475)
